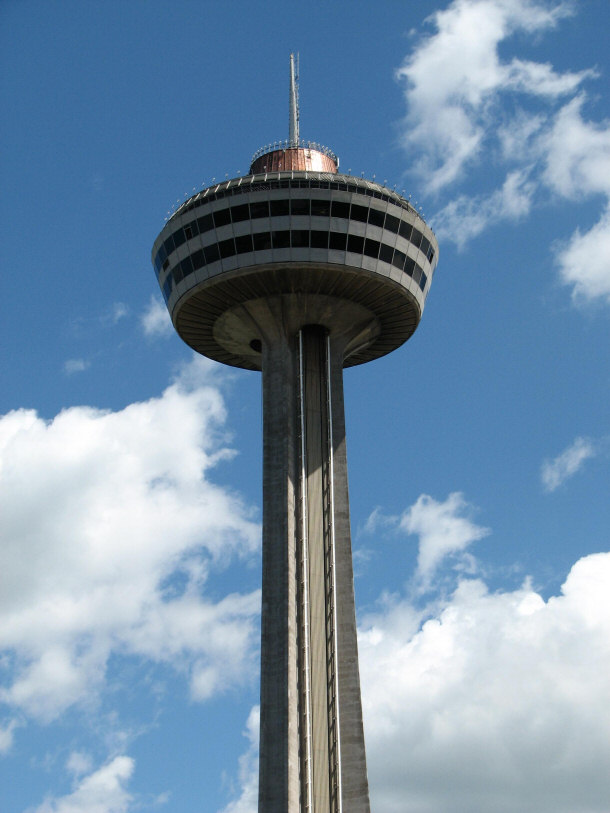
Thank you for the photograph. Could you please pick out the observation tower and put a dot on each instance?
(299, 271)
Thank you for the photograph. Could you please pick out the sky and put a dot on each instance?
(479, 452)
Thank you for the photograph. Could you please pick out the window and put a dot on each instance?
(359, 213)
(339, 208)
(260, 209)
(392, 223)
(320, 208)
(371, 248)
(227, 248)
(299, 206)
(337, 240)
(385, 253)
(167, 288)
(179, 237)
(300, 238)
(405, 230)
(239, 213)
(416, 238)
(243, 244)
(376, 217)
(319, 239)
(168, 245)
(205, 223)
(222, 217)
(423, 280)
(198, 259)
(409, 266)
(399, 259)
(281, 239)
(188, 232)
(211, 253)
(355, 243)
(262, 241)
(279, 207)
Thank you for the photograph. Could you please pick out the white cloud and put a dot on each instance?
(103, 791)
(497, 702)
(555, 472)
(7, 736)
(155, 320)
(444, 529)
(455, 76)
(466, 217)
(584, 262)
(110, 526)
(577, 154)
(248, 769)
(72, 366)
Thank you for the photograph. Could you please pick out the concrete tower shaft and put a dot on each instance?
(299, 273)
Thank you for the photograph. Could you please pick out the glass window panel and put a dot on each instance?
(371, 247)
(399, 259)
(227, 247)
(339, 208)
(188, 231)
(425, 245)
(281, 239)
(211, 253)
(320, 208)
(239, 213)
(392, 223)
(430, 253)
(177, 274)
(376, 217)
(280, 207)
(222, 217)
(337, 240)
(423, 280)
(355, 243)
(198, 259)
(405, 229)
(243, 244)
(167, 288)
(169, 245)
(187, 266)
(319, 239)
(385, 253)
(179, 237)
(416, 238)
(299, 206)
(409, 266)
(262, 241)
(300, 238)
(417, 273)
(259, 209)
(359, 213)
(205, 223)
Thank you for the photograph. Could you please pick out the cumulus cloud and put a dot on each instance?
(155, 320)
(496, 702)
(247, 802)
(110, 525)
(556, 471)
(444, 529)
(454, 77)
(103, 791)
(468, 108)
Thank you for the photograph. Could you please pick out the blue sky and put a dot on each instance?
(479, 452)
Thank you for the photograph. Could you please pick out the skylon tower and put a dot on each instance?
(299, 271)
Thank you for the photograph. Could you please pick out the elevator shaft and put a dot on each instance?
(312, 757)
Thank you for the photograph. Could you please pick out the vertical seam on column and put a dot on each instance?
(334, 581)
(304, 564)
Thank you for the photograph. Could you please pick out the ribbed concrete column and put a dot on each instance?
(312, 757)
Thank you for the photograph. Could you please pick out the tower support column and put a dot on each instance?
(312, 757)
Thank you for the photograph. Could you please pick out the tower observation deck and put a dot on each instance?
(299, 271)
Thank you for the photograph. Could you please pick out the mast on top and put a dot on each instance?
(293, 128)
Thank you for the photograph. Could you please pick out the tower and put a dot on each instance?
(299, 271)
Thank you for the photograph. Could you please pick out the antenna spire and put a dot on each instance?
(293, 126)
